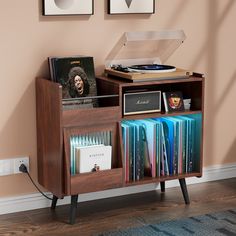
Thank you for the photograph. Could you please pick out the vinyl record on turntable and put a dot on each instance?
(152, 68)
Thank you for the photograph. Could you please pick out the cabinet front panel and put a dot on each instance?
(96, 181)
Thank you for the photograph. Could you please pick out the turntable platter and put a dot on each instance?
(152, 68)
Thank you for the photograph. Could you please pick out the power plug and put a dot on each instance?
(23, 168)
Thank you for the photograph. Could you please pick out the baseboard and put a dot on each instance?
(36, 200)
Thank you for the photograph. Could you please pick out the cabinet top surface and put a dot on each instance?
(124, 82)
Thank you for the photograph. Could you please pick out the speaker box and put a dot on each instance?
(141, 102)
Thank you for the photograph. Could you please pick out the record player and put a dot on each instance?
(140, 56)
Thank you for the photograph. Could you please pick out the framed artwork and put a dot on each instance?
(131, 6)
(68, 7)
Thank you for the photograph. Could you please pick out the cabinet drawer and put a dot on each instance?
(96, 181)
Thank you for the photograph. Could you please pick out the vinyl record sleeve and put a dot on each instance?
(76, 74)
(89, 157)
(173, 101)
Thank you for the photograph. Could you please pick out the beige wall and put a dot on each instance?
(27, 39)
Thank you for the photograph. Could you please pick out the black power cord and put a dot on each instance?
(23, 169)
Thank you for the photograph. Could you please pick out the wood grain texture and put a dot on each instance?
(203, 123)
(56, 126)
(123, 212)
(126, 83)
(49, 136)
(96, 181)
(148, 180)
(136, 77)
(108, 88)
(87, 117)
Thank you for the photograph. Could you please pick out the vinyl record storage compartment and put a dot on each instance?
(55, 126)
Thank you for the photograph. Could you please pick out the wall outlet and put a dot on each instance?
(18, 161)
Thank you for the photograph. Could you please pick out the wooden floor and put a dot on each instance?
(126, 211)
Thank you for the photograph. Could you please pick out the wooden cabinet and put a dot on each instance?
(55, 126)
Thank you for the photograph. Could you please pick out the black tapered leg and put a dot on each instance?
(54, 202)
(184, 190)
(73, 208)
(163, 187)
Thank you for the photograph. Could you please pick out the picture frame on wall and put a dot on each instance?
(131, 6)
(68, 7)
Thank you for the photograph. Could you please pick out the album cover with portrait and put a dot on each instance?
(77, 76)
(173, 101)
